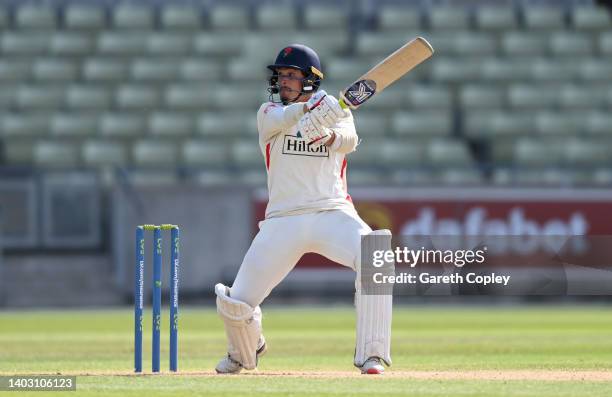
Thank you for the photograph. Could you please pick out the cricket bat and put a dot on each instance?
(386, 73)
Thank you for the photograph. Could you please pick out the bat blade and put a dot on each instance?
(386, 72)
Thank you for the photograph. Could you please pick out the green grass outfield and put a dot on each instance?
(468, 351)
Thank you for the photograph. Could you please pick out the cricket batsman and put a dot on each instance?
(304, 135)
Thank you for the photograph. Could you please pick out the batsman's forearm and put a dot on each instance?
(279, 119)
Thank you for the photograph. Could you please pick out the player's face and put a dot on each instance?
(290, 82)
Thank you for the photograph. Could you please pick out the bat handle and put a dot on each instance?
(342, 103)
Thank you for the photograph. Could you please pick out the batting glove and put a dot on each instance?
(326, 109)
(314, 134)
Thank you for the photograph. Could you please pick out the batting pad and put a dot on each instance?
(242, 327)
(374, 312)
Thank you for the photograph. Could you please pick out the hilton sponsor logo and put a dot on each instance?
(297, 146)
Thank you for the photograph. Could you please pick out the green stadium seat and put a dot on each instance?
(224, 123)
(453, 70)
(522, 96)
(502, 150)
(245, 69)
(459, 176)
(88, 97)
(104, 153)
(4, 18)
(204, 153)
(446, 17)
(189, 96)
(14, 71)
(473, 97)
(429, 97)
(35, 17)
(498, 123)
(392, 100)
(318, 16)
(599, 122)
(199, 69)
(393, 17)
(474, 44)
(571, 44)
(8, 94)
(534, 152)
(365, 155)
(180, 17)
(246, 153)
(169, 44)
(229, 17)
(137, 97)
(326, 45)
(171, 124)
(56, 154)
(105, 70)
(592, 69)
(152, 153)
(122, 125)
(132, 16)
(380, 44)
(398, 153)
(276, 17)
(605, 43)
(582, 96)
(580, 152)
(495, 18)
(524, 43)
(371, 124)
(55, 70)
(504, 70)
(74, 124)
(155, 70)
(250, 96)
(555, 70)
(19, 125)
(24, 43)
(71, 44)
(591, 18)
(226, 44)
(544, 18)
(261, 48)
(19, 152)
(448, 152)
(124, 43)
(84, 17)
(556, 123)
(38, 97)
(422, 123)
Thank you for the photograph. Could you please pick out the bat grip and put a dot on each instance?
(342, 104)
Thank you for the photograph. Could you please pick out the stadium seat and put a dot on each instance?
(582, 96)
(137, 97)
(14, 71)
(580, 152)
(224, 123)
(169, 44)
(365, 177)
(245, 69)
(171, 124)
(105, 70)
(74, 124)
(555, 70)
(448, 18)
(605, 43)
(473, 96)
(4, 18)
(84, 17)
(204, 153)
(502, 151)
(459, 176)
(103, 153)
(122, 125)
(132, 16)
(448, 152)
(504, 70)
(250, 98)
(599, 123)
(429, 97)
(400, 18)
(591, 18)
(474, 44)
(532, 152)
(366, 155)
(40, 97)
(200, 69)
(83, 97)
(524, 43)
(227, 44)
(155, 70)
(124, 43)
(571, 44)
(398, 153)
(35, 17)
(413, 176)
(189, 96)
(8, 94)
(544, 18)
(246, 153)
(71, 44)
(155, 175)
(592, 69)
(499, 123)
(228, 17)
(20, 152)
(180, 17)
(276, 17)
(379, 44)
(20, 125)
(319, 16)
(326, 45)
(56, 154)
(154, 153)
(522, 96)
(422, 122)
(371, 124)
(557, 123)
(22, 43)
(454, 70)
(544, 177)
(495, 18)
(341, 67)
(392, 100)
(54, 70)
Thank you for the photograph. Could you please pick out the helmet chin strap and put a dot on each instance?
(288, 101)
